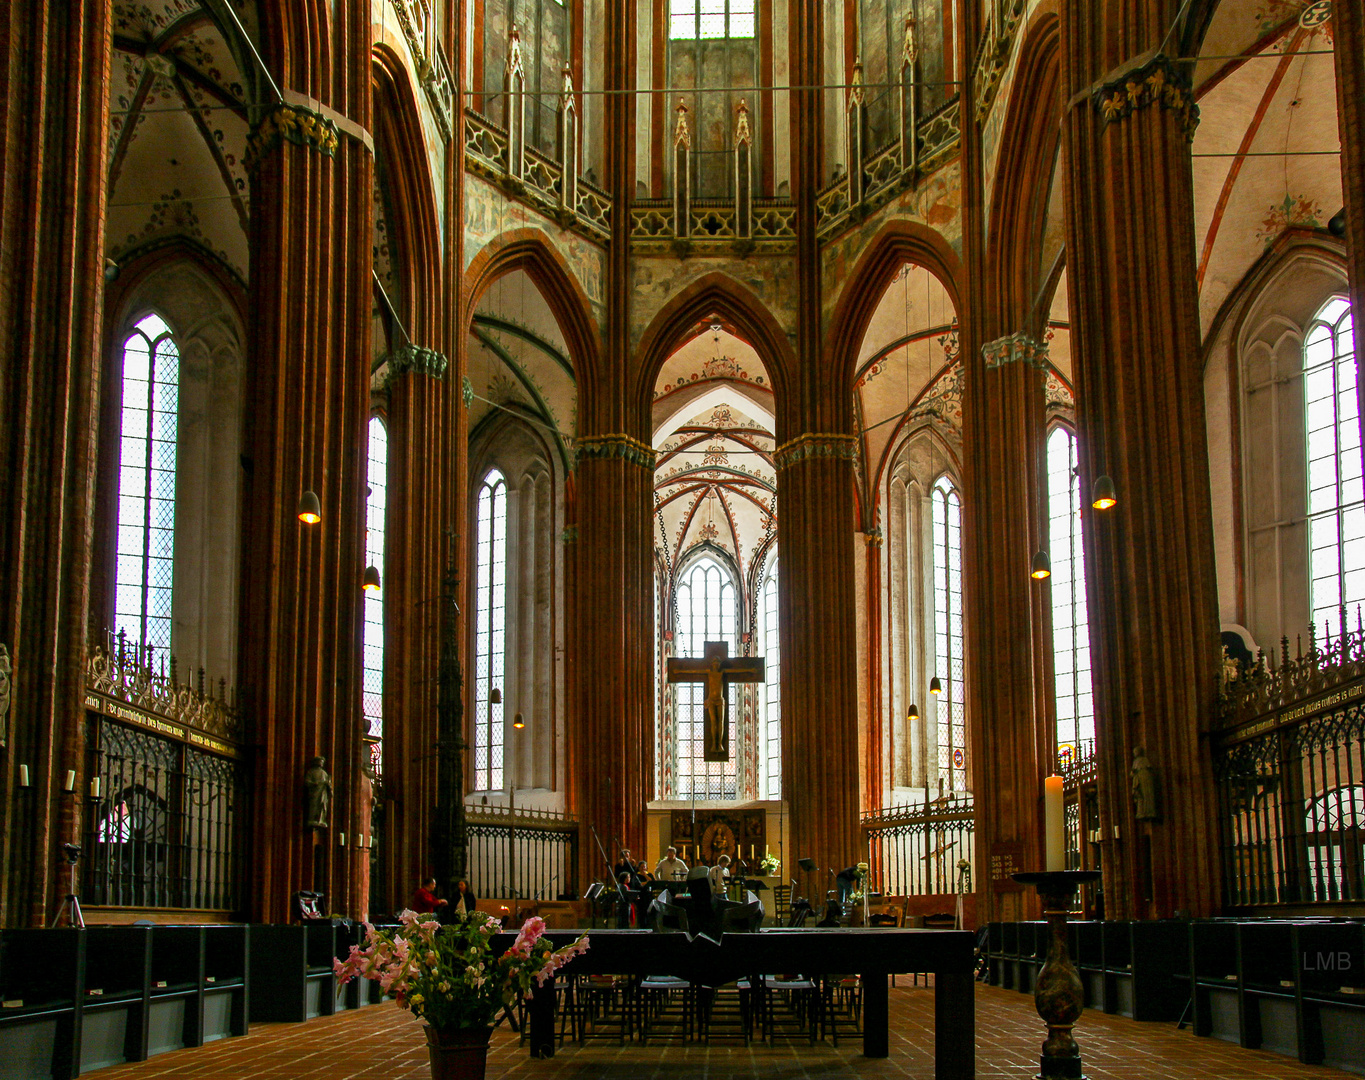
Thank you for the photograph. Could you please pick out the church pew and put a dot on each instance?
(175, 1009)
(114, 1007)
(1033, 939)
(1088, 956)
(42, 979)
(1148, 985)
(1331, 993)
(290, 977)
(227, 957)
(995, 953)
(1267, 981)
(1213, 975)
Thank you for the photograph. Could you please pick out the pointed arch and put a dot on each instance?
(531, 251)
(715, 294)
(403, 166)
(896, 243)
(1023, 180)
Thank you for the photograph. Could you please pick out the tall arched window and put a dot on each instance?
(707, 608)
(1336, 510)
(146, 484)
(1070, 623)
(377, 474)
(490, 604)
(772, 688)
(951, 704)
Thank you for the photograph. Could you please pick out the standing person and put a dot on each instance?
(464, 901)
(671, 868)
(719, 877)
(625, 865)
(424, 900)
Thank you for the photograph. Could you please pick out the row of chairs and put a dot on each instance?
(657, 1008)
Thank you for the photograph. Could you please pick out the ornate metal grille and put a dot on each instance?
(165, 831)
(916, 850)
(521, 854)
(1292, 804)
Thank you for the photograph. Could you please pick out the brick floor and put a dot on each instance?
(385, 1043)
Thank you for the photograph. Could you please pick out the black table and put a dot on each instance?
(872, 953)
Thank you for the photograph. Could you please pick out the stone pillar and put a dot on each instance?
(54, 82)
(1140, 416)
(814, 461)
(1348, 31)
(312, 169)
(611, 656)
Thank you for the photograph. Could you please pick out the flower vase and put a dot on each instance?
(458, 1053)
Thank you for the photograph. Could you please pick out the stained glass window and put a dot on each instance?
(490, 606)
(692, 20)
(772, 688)
(1336, 509)
(951, 704)
(707, 610)
(143, 574)
(1070, 623)
(375, 503)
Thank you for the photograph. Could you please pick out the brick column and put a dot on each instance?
(54, 75)
(311, 295)
(821, 780)
(1140, 414)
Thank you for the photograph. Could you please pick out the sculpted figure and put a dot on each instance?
(319, 793)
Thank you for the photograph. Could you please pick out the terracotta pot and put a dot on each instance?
(458, 1053)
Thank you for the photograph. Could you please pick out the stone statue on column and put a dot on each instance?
(1143, 787)
(319, 785)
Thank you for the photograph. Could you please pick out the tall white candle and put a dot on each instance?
(1054, 824)
(95, 788)
(70, 780)
(23, 776)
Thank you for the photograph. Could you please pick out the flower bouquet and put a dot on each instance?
(448, 975)
(770, 864)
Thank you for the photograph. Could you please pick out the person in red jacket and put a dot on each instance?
(424, 900)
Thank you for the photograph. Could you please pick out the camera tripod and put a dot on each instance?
(71, 903)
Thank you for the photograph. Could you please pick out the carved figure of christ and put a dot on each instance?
(717, 670)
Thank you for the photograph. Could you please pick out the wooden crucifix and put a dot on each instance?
(717, 670)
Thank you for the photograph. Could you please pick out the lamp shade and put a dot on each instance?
(310, 510)
(1042, 566)
(371, 580)
(495, 696)
(913, 714)
(518, 721)
(1103, 495)
(935, 686)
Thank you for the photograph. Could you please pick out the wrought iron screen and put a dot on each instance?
(521, 854)
(1292, 804)
(917, 850)
(166, 829)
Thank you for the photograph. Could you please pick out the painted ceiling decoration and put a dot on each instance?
(177, 135)
(715, 485)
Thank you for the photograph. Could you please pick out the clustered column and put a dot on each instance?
(312, 194)
(54, 76)
(1140, 417)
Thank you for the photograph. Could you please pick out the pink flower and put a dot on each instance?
(530, 934)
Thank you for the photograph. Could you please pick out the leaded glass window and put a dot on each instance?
(1070, 623)
(707, 605)
(490, 611)
(699, 20)
(772, 688)
(1336, 510)
(951, 705)
(143, 574)
(375, 503)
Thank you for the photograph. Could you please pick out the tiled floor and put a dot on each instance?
(385, 1043)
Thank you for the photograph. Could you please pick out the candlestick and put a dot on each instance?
(1054, 824)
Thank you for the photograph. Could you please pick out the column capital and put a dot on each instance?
(417, 359)
(1156, 82)
(815, 444)
(629, 450)
(1015, 348)
(298, 124)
